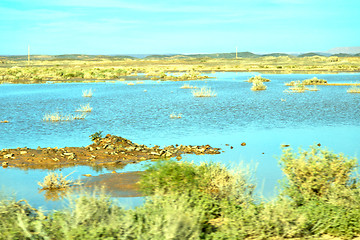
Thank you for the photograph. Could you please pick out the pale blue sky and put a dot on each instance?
(163, 26)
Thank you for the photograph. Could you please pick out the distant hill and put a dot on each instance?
(278, 55)
(311, 54)
(342, 55)
(348, 50)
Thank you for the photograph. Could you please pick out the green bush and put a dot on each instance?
(213, 179)
(312, 174)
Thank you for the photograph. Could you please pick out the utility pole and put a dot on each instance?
(28, 54)
(236, 53)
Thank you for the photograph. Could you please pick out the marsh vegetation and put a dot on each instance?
(319, 199)
(87, 68)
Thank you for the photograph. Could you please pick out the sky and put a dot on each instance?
(176, 26)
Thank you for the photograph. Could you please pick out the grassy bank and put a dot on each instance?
(42, 69)
(319, 199)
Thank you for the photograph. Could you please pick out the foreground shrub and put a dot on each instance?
(312, 174)
(210, 178)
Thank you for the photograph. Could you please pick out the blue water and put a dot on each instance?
(237, 114)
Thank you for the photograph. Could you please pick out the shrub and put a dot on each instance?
(96, 136)
(312, 174)
(56, 181)
(258, 86)
(209, 178)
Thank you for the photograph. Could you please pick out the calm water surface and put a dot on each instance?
(329, 116)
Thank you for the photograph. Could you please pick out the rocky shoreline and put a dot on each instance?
(108, 151)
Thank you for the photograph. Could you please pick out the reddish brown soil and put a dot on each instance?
(108, 151)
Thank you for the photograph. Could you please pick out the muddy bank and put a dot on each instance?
(116, 184)
(108, 151)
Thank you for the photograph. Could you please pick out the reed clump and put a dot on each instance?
(84, 108)
(258, 85)
(57, 117)
(204, 92)
(354, 89)
(87, 93)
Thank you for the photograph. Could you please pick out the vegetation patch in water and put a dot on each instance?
(258, 85)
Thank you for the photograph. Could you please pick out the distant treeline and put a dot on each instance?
(166, 56)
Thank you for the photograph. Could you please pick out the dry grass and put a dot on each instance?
(84, 108)
(56, 181)
(354, 89)
(187, 86)
(87, 93)
(204, 92)
(57, 117)
(174, 115)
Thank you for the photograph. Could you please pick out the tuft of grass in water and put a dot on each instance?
(354, 89)
(174, 115)
(257, 79)
(258, 85)
(57, 117)
(87, 93)
(187, 86)
(296, 87)
(204, 92)
(314, 81)
(84, 108)
(56, 181)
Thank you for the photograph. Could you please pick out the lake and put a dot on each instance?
(140, 112)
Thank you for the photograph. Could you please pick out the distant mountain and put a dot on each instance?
(348, 50)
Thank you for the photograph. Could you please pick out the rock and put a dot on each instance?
(87, 175)
(10, 155)
(91, 149)
(23, 152)
(243, 144)
(5, 164)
